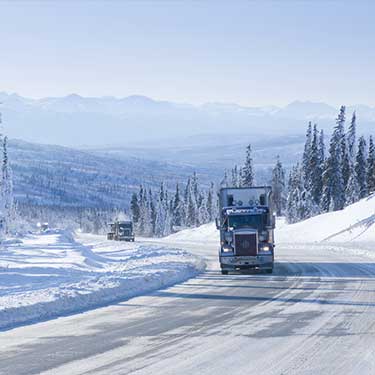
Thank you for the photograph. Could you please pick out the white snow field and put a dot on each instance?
(355, 223)
(313, 316)
(51, 274)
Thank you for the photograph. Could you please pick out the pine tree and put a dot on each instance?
(351, 139)
(236, 177)
(334, 189)
(210, 203)
(152, 210)
(224, 182)
(278, 187)
(315, 184)
(293, 199)
(352, 187)
(371, 167)
(7, 189)
(160, 218)
(177, 208)
(134, 207)
(306, 158)
(248, 170)
(361, 167)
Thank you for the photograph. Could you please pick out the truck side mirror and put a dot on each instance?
(273, 221)
(217, 223)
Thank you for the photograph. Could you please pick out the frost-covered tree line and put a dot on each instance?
(328, 180)
(7, 208)
(86, 219)
(245, 177)
(240, 176)
(161, 213)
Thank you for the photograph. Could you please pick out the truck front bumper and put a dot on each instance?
(246, 262)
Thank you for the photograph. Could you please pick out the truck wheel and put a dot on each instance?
(223, 272)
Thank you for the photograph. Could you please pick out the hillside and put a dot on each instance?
(55, 175)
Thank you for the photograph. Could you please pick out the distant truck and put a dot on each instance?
(246, 226)
(121, 231)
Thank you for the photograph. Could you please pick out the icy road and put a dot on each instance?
(314, 315)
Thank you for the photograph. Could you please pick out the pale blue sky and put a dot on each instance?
(251, 53)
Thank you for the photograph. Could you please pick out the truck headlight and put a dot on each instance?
(265, 248)
(227, 249)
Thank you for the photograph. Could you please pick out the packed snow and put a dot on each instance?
(51, 274)
(354, 223)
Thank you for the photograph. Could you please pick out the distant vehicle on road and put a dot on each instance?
(246, 226)
(121, 231)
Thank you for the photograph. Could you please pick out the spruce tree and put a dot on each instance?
(351, 139)
(315, 185)
(236, 177)
(7, 190)
(248, 170)
(278, 187)
(361, 167)
(333, 182)
(210, 203)
(134, 207)
(293, 198)
(176, 207)
(352, 187)
(223, 183)
(371, 167)
(306, 158)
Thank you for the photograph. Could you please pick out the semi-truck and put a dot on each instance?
(246, 223)
(121, 231)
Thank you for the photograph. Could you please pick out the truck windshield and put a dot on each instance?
(125, 226)
(248, 221)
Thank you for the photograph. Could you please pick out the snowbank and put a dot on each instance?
(204, 233)
(51, 274)
(354, 223)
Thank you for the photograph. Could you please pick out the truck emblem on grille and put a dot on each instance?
(245, 243)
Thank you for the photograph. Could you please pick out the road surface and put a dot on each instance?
(314, 315)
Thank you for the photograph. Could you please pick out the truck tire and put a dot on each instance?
(223, 272)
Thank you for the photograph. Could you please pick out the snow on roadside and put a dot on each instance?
(50, 275)
(202, 234)
(355, 223)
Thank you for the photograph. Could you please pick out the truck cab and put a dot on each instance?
(246, 226)
(121, 231)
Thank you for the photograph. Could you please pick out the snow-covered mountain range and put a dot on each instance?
(75, 120)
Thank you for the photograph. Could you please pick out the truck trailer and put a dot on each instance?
(121, 231)
(246, 224)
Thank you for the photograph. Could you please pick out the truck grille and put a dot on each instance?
(246, 244)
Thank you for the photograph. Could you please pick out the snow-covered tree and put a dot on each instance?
(236, 177)
(306, 157)
(177, 208)
(134, 207)
(371, 167)
(294, 196)
(278, 187)
(333, 182)
(352, 187)
(361, 167)
(211, 206)
(315, 183)
(247, 172)
(225, 181)
(352, 139)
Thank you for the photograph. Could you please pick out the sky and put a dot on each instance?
(247, 52)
